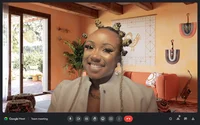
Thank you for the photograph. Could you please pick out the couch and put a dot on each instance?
(166, 86)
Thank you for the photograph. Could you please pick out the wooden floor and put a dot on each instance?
(193, 100)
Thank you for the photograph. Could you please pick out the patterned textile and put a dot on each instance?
(20, 105)
(26, 96)
(163, 106)
(180, 106)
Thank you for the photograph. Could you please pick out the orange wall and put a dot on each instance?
(168, 18)
(63, 20)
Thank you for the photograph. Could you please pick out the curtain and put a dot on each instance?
(5, 36)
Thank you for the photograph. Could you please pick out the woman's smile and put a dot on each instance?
(95, 67)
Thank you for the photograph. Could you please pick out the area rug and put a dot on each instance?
(179, 106)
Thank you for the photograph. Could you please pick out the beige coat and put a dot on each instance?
(136, 97)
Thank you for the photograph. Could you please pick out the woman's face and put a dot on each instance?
(101, 53)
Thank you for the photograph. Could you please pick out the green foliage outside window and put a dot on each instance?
(32, 55)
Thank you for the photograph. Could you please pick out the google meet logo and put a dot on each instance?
(5, 118)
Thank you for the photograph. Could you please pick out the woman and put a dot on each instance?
(102, 90)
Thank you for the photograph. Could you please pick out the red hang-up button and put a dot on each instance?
(128, 118)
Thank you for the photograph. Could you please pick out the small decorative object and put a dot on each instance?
(172, 56)
(186, 90)
(188, 29)
(26, 96)
(20, 105)
(63, 30)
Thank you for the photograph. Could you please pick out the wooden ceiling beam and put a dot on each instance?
(112, 7)
(74, 8)
(144, 5)
(188, 3)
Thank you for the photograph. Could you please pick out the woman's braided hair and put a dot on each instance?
(115, 28)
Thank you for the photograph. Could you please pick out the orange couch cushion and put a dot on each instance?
(140, 77)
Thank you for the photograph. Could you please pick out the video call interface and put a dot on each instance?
(100, 62)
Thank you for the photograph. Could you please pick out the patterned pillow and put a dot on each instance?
(151, 80)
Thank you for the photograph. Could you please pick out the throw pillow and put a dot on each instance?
(151, 80)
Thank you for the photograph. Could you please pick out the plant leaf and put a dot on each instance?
(74, 59)
(69, 44)
(75, 44)
(79, 41)
(68, 55)
(66, 66)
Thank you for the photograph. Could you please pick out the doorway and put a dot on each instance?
(29, 51)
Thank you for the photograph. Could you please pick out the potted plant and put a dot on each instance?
(74, 58)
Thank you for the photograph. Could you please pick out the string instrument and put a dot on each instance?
(186, 90)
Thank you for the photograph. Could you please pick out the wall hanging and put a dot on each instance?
(172, 56)
(141, 30)
(188, 29)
